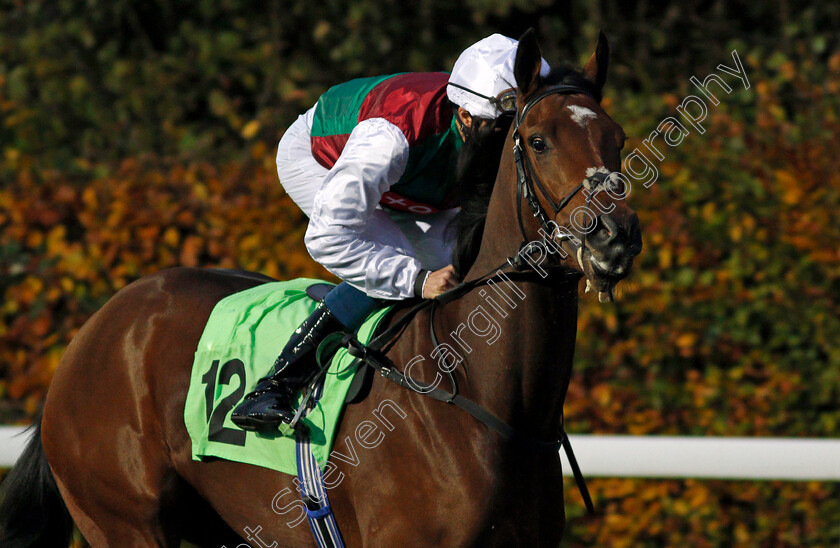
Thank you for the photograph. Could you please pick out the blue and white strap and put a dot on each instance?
(313, 493)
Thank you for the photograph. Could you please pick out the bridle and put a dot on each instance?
(525, 173)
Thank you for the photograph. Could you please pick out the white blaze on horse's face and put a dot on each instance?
(581, 114)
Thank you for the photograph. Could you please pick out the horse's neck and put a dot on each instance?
(522, 375)
(521, 336)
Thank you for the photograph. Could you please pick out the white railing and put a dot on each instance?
(792, 459)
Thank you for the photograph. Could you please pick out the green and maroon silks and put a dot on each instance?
(417, 104)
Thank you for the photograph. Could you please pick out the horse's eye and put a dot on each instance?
(538, 145)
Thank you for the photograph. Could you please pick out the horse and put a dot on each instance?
(112, 455)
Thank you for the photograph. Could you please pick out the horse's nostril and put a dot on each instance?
(611, 229)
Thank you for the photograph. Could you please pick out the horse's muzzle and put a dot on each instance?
(611, 247)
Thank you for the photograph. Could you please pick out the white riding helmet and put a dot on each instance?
(482, 80)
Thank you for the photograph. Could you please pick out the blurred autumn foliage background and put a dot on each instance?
(138, 136)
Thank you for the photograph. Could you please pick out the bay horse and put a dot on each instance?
(111, 452)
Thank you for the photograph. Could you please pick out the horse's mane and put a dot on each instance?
(478, 165)
(475, 173)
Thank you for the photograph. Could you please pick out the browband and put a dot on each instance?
(562, 89)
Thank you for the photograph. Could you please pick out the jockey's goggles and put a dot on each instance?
(505, 102)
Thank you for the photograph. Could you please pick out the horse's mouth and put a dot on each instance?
(602, 277)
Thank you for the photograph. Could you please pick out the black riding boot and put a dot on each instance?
(271, 401)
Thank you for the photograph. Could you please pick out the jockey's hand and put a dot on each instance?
(440, 281)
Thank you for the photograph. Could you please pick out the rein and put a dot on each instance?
(373, 356)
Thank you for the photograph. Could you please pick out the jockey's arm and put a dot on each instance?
(338, 235)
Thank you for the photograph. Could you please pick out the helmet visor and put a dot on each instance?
(506, 101)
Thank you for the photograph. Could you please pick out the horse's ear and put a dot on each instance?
(596, 68)
(528, 63)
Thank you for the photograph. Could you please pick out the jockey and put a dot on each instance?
(372, 165)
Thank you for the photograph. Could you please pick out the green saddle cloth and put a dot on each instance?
(245, 333)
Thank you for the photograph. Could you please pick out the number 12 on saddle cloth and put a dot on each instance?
(241, 340)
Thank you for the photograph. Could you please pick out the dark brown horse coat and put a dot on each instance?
(114, 435)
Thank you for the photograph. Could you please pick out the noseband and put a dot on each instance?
(525, 173)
